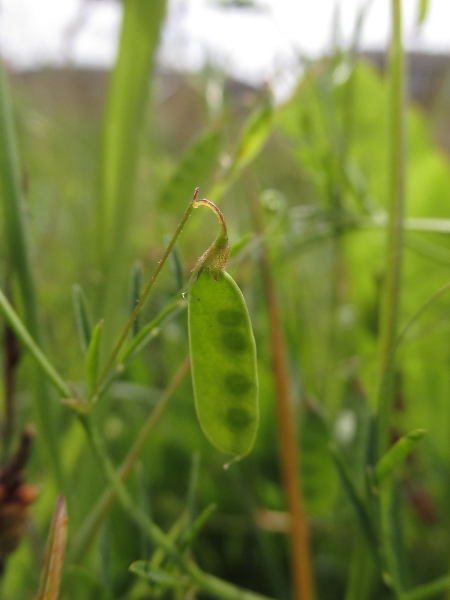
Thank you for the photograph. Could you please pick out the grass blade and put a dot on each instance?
(357, 502)
(82, 317)
(19, 257)
(123, 125)
(30, 344)
(93, 356)
(397, 454)
(124, 113)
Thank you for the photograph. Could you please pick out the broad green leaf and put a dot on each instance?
(82, 317)
(223, 358)
(93, 356)
(196, 166)
(397, 454)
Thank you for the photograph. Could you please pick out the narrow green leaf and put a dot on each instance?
(428, 590)
(394, 569)
(357, 501)
(191, 502)
(191, 534)
(14, 228)
(30, 344)
(319, 478)
(397, 454)
(176, 267)
(151, 329)
(244, 241)
(252, 139)
(194, 168)
(93, 356)
(134, 294)
(254, 136)
(82, 317)
(145, 570)
(223, 357)
(18, 250)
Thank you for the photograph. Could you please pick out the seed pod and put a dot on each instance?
(223, 357)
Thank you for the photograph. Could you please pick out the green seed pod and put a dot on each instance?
(223, 357)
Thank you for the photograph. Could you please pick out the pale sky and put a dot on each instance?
(252, 46)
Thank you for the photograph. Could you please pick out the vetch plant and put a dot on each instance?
(223, 351)
(232, 431)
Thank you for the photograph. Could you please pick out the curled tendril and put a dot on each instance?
(216, 258)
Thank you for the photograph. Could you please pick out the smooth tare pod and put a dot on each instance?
(223, 357)
(223, 353)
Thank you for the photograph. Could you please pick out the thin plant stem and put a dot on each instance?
(145, 293)
(19, 256)
(421, 310)
(396, 192)
(27, 340)
(210, 584)
(300, 558)
(87, 530)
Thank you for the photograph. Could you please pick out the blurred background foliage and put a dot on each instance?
(320, 179)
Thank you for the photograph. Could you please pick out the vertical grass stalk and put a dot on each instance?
(395, 197)
(18, 251)
(124, 122)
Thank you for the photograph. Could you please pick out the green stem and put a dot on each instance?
(396, 185)
(87, 530)
(19, 257)
(24, 336)
(421, 310)
(210, 584)
(145, 293)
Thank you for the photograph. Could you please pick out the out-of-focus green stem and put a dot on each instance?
(24, 336)
(213, 586)
(395, 196)
(86, 532)
(18, 248)
(146, 292)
